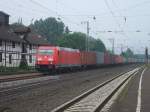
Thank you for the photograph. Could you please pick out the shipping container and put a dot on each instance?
(68, 57)
(107, 58)
(99, 58)
(124, 60)
(118, 59)
(88, 58)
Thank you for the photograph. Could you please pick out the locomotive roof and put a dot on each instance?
(67, 49)
(60, 48)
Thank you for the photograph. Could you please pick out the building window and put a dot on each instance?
(30, 47)
(30, 58)
(0, 57)
(10, 59)
(13, 44)
(0, 42)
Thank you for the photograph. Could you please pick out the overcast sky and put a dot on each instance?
(123, 17)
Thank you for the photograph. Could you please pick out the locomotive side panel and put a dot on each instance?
(68, 58)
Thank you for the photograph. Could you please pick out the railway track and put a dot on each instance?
(24, 76)
(11, 89)
(20, 77)
(96, 98)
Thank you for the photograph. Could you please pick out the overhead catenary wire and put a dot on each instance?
(33, 1)
(117, 10)
(56, 13)
(24, 12)
(112, 13)
(121, 15)
(32, 9)
(102, 15)
(46, 11)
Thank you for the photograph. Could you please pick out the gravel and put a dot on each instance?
(47, 96)
(25, 81)
(92, 101)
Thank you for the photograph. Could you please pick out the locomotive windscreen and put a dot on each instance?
(46, 52)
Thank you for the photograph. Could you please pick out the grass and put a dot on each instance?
(147, 65)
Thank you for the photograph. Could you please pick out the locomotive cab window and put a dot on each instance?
(46, 52)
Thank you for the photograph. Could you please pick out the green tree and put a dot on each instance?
(97, 45)
(77, 40)
(128, 53)
(50, 28)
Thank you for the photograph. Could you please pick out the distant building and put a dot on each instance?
(4, 19)
(11, 43)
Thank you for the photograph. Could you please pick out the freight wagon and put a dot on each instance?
(118, 59)
(53, 58)
(108, 58)
(88, 58)
(99, 58)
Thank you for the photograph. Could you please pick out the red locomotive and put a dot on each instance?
(57, 57)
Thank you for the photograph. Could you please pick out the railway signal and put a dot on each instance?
(146, 55)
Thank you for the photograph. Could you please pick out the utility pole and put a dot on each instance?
(113, 48)
(87, 35)
(121, 48)
(112, 40)
(88, 31)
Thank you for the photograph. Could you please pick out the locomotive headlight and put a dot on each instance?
(50, 59)
(39, 59)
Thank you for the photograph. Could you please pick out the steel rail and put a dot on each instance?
(15, 78)
(79, 98)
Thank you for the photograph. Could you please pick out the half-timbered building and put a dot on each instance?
(11, 42)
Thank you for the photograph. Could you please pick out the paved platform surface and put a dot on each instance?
(129, 98)
(145, 95)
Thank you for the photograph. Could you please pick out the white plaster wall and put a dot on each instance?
(15, 52)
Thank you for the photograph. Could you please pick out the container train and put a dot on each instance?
(54, 57)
